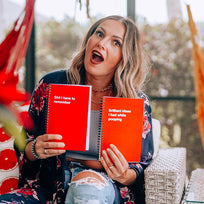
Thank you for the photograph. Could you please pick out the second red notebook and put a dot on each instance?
(68, 114)
(122, 125)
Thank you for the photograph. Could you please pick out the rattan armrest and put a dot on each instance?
(165, 176)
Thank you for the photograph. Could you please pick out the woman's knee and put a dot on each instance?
(90, 187)
(89, 177)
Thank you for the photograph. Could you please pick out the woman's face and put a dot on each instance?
(104, 49)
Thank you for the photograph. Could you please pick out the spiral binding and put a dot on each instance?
(47, 108)
(100, 131)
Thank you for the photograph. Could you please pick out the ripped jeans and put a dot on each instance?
(90, 190)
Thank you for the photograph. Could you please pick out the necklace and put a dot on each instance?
(104, 89)
(100, 101)
(95, 102)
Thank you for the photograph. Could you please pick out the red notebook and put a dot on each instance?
(122, 125)
(68, 114)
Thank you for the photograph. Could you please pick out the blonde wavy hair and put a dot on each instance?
(130, 73)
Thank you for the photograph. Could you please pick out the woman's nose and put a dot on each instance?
(103, 43)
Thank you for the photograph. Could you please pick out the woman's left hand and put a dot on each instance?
(117, 166)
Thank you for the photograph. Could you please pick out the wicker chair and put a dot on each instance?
(165, 177)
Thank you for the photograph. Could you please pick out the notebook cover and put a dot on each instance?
(68, 114)
(122, 125)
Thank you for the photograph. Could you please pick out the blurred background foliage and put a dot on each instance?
(56, 43)
(169, 47)
(170, 85)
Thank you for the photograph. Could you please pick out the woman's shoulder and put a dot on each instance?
(142, 95)
(147, 106)
(56, 76)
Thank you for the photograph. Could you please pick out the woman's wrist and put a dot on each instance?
(30, 147)
(129, 177)
(33, 149)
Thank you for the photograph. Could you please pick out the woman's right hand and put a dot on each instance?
(46, 146)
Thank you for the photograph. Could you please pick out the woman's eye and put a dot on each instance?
(99, 33)
(117, 43)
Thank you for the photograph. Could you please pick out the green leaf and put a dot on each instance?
(11, 126)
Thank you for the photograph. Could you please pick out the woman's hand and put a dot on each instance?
(117, 166)
(46, 146)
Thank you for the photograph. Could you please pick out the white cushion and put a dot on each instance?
(9, 169)
(156, 131)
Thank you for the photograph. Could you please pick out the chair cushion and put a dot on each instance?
(156, 131)
(9, 169)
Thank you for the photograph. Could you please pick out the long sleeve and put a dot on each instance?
(147, 149)
(45, 176)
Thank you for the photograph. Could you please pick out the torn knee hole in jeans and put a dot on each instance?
(90, 181)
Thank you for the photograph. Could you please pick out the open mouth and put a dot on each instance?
(97, 57)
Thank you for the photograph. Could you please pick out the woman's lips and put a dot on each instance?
(96, 57)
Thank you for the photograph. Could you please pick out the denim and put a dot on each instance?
(83, 192)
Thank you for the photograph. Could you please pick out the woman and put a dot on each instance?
(111, 61)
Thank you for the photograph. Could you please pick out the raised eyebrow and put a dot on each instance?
(115, 36)
(118, 37)
(102, 29)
